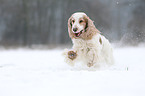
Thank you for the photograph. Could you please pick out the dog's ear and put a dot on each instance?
(70, 22)
(90, 28)
(89, 23)
(70, 27)
(86, 20)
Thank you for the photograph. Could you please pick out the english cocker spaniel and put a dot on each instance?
(89, 46)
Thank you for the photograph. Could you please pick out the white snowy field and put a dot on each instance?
(26, 72)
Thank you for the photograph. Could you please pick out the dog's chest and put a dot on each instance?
(84, 46)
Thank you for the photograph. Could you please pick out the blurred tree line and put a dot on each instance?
(29, 22)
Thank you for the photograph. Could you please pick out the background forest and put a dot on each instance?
(44, 22)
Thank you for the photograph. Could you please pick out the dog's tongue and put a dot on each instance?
(78, 34)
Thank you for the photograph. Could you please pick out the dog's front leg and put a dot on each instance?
(70, 56)
(90, 57)
(91, 61)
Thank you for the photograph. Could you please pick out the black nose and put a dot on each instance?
(75, 29)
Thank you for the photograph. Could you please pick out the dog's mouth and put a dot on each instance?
(78, 33)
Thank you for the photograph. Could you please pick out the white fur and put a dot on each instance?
(91, 51)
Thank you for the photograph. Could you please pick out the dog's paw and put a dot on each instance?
(72, 55)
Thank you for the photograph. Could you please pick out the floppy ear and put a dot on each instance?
(86, 20)
(90, 25)
(70, 28)
(90, 28)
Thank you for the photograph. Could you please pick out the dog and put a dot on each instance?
(89, 46)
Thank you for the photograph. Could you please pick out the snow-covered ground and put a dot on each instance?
(26, 72)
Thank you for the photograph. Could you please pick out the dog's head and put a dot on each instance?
(80, 26)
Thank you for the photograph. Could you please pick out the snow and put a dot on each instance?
(25, 72)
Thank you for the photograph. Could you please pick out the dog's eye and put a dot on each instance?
(81, 21)
(73, 21)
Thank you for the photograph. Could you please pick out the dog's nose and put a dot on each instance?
(75, 29)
